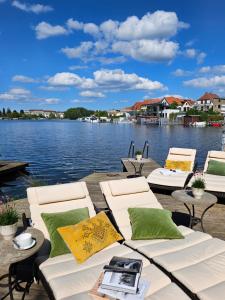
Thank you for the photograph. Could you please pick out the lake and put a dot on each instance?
(64, 151)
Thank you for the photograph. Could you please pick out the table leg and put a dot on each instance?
(190, 214)
(207, 208)
(140, 169)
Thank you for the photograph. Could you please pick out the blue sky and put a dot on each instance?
(108, 54)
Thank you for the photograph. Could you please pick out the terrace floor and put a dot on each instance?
(214, 220)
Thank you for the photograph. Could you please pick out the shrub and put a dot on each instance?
(8, 214)
(198, 183)
(138, 152)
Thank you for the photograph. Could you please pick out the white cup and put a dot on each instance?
(24, 240)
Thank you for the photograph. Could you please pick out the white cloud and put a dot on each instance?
(147, 50)
(71, 79)
(191, 53)
(82, 101)
(91, 28)
(181, 73)
(80, 51)
(106, 80)
(145, 39)
(15, 94)
(203, 82)
(201, 57)
(45, 30)
(92, 94)
(194, 53)
(24, 79)
(218, 69)
(51, 100)
(75, 25)
(77, 67)
(119, 80)
(35, 8)
(111, 60)
(53, 88)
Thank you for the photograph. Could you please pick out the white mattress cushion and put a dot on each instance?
(216, 292)
(204, 274)
(172, 179)
(69, 280)
(214, 183)
(191, 254)
(169, 292)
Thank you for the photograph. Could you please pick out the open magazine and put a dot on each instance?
(122, 275)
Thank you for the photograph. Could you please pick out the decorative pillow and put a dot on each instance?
(152, 223)
(89, 236)
(55, 220)
(178, 165)
(216, 167)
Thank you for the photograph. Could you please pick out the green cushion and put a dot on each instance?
(55, 220)
(152, 223)
(216, 167)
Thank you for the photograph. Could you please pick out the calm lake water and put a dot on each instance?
(64, 151)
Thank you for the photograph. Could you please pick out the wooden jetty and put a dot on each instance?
(213, 220)
(9, 167)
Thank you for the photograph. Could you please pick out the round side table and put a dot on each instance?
(187, 198)
(9, 257)
(138, 165)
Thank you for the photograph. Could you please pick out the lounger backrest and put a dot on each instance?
(125, 193)
(57, 198)
(214, 155)
(182, 154)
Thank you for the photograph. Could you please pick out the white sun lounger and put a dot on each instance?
(197, 261)
(214, 183)
(166, 179)
(63, 277)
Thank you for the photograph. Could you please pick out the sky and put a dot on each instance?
(109, 54)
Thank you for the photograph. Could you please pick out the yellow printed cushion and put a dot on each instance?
(89, 236)
(178, 165)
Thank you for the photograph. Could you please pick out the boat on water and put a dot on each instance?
(199, 124)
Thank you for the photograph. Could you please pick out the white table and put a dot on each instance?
(187, 198)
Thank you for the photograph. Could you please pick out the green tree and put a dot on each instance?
(52, 116)
(173, 105)
(78, 112)
(3, 111)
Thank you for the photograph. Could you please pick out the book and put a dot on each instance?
(122, 275)
(122, 264)
(142, 290)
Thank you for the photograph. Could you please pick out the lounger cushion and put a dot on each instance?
(35, 195)
(215, 292)
(203, 275)
(127, 187)
(58, 193)
(89, 236)
(119, 204)
(73, 281)
(172, 180)
(55, 220)
(152, 223)
(216, 167)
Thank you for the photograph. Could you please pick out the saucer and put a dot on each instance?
(25, 248)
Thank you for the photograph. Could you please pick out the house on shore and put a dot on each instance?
(45, 113)
(211, 101)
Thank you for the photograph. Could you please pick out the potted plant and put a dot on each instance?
(138, 155)
(198, 187)
(8, 220)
